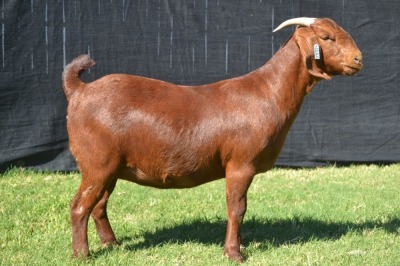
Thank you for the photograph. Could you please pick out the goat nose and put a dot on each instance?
(358, 58)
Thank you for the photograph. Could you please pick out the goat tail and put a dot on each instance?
(72, 72)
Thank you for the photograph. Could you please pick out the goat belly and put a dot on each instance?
(166, 180)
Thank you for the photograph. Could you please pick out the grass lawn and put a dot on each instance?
(322, 216)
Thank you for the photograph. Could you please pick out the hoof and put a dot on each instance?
(111, 244)
(234, 256)
(81, 255)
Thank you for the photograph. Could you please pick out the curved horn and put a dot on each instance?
(303, 21)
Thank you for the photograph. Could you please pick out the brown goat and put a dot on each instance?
(167, 136)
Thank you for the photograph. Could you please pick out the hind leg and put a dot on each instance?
(89, 194)
(99, 215)
(98, 159)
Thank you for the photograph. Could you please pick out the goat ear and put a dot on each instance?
(305, 39)
(318, 74)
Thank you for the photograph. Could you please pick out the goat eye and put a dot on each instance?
(327, 38)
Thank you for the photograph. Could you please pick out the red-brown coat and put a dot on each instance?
(168, 136)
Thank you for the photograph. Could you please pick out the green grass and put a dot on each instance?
(323, 216)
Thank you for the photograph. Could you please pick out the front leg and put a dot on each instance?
(237, 184)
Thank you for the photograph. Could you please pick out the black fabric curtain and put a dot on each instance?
(346, 120)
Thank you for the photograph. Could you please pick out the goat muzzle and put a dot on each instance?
(355, 64)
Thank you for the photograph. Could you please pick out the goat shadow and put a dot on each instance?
(265, 233)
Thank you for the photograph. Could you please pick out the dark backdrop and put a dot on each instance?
(346, 120)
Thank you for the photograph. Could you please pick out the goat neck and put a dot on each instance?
(286, 79)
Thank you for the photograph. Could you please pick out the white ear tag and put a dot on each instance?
(317, 55)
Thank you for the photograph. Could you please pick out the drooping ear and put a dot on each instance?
(306, 40)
